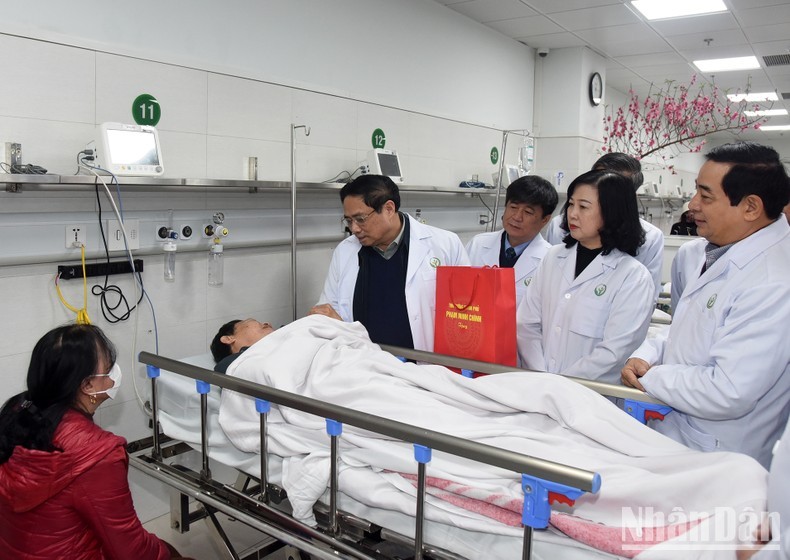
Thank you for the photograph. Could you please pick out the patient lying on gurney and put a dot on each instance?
(233, 338)
(541, 415)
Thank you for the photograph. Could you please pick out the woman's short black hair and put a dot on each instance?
(375, 191)
(61, 360)
(220, 350)
(617, 199)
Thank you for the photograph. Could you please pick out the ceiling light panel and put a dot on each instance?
(664, 9)
(753, 97)
(766, 113)
(727, 64)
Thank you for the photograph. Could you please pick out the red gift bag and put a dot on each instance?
(476, 313)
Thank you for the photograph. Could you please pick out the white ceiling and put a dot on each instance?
(640, 52)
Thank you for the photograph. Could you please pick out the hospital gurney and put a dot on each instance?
(341, 535)
(537, 414)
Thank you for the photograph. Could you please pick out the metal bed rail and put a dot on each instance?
(606, 389)
(424, 440)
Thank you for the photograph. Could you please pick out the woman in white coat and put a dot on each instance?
(590, 303)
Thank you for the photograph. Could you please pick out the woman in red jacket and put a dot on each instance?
(64, 491)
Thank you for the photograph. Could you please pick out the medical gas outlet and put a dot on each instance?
(215, 229)
(210, 230)
(186, 231)
(164, 233)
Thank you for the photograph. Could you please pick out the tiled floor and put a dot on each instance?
(197, 543)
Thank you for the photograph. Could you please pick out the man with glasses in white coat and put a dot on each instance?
(724, 363)
(384, 274)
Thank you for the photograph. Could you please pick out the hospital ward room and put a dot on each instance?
(394, 280)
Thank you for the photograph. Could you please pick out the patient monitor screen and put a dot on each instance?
(389, 165)
(131, 147)
(385, 162)
(131, 150)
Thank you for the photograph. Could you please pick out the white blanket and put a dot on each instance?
(541, 415)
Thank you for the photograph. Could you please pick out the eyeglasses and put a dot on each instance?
(359, 220)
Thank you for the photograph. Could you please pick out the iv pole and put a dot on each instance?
(293, 212)
(505, 133)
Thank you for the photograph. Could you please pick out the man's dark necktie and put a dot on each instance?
(510, 258)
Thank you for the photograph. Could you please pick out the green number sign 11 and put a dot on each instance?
(146, 110)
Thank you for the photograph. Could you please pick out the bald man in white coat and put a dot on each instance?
(529, 203)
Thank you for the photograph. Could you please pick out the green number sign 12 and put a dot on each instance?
(146, 110)
(379, 139)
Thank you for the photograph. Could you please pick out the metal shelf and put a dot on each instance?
(18, 183)
(664, 198)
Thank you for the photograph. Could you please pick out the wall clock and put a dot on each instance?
(596, 89)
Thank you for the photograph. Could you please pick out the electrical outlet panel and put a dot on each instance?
(115, 235)
(73, 271)
(76, 235)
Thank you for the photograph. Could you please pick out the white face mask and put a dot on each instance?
(115, 376)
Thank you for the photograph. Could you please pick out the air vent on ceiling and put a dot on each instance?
(777, 60)
(786, 95)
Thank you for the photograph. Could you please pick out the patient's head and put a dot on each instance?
(237, 334)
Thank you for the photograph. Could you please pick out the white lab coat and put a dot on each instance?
(650, 254)
(686, 266)
(429, 247)
(588, 326)
(724, 362)
(779, 501)
(483, 250)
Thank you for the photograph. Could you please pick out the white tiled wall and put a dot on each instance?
(210, 123)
